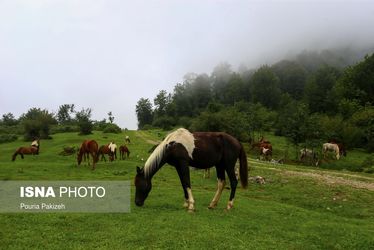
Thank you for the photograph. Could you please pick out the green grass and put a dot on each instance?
(289, 212)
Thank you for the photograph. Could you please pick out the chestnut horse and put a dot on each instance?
(265, 148)
(88, 147)
(33, 150)
(123, 151)
(105, 150)
(202, 150)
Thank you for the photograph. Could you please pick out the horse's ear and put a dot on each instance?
(138, 170)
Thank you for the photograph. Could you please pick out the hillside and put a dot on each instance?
(297, 207)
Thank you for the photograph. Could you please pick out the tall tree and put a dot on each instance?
(265, 87)
(292, 78)
(110, 117)
(9, 119)
(144, 112)
(357, 82)
(84, 121)
(64, 113)
(319, 94)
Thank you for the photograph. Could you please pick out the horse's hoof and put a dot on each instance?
(212, 206)
(191, 210)
(185, 205)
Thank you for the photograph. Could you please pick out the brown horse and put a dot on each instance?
(88, 147)
(265, 148)
(202, 150)
(123, 151)
(105, 150)
(33, 150)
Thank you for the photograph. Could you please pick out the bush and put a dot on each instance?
(64, 129)
(7, 138)
(112, 128)
(164, 122)
(228, 120)
(368, 164)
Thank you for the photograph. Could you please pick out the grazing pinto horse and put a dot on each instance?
(127, 139)
(33, 150)
(331, 147)
(88, 147)
(123, 151)
(113, 149)
(265, 147)
(202, 150)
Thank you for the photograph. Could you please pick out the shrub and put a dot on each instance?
(112, 128)
(7, 138)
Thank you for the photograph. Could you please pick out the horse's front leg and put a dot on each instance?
(184, 176)
(220, 186)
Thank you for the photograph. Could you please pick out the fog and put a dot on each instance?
(106, 55)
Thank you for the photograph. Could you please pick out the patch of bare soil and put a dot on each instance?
(143, 137)
(332, 180)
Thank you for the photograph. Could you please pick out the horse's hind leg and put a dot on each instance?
(220, 186)
(233, 183)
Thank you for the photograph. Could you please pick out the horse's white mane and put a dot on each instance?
(112, 146)
(182, 136)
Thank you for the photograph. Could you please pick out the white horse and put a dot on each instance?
(331, 147)
(307, 153)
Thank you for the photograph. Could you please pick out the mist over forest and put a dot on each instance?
(310, 97)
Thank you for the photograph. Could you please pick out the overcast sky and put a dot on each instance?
(107, 54)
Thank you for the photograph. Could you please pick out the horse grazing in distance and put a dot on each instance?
(123, 151)
(201, 150)
(341, 146)
(113, 149)
(127, 139)
(105, 150)
(33, 150)
(265, 148)
(88, 147)
(307, 153)
(326, 147)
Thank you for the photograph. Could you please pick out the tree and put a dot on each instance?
(64, 114)
(110, 117)
(220, 77)
(36, 123)
(292, 78)
(144, 112)
(84, 122)
(228, 120)
(319, 94)
(161, 102)
(9, 119)
(357, 82)
(265, 87)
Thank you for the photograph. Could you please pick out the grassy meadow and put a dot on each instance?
(298, 207)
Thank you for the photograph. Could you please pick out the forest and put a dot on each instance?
(311, 98)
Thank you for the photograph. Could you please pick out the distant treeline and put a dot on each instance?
(40, 123)
(313, 98)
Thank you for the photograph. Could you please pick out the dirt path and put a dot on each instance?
(145, 138)
(330, 178)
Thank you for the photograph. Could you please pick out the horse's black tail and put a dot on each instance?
(243, 170)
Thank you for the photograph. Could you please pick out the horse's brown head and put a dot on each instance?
(143, 186)
(79, 157)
